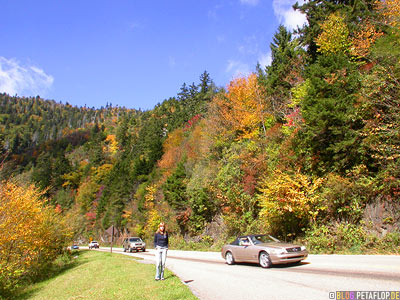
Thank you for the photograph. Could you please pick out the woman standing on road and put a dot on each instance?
(161, 246)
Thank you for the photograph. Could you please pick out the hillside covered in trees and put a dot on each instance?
(307, 148)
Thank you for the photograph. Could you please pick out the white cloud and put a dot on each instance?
(250, 2)
(287, 15)
(23, 80)
(265, 60)
(237, 68)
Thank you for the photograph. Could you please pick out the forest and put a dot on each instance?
(307, 148)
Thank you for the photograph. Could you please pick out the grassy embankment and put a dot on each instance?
(99, 275)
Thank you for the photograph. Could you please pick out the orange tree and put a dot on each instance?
(32, 235)
(390, 10)
(240, 112)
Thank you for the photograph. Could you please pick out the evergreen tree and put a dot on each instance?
(331, 120)
(283, 72)
(175, 189)
(184, 94)
(205, 82)
(42, 173)
(61, 166)
(122, 132)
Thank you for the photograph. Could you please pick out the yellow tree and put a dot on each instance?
(289, 202)
(153, 217)
(31, 234)
(111, 145)
(334, 37)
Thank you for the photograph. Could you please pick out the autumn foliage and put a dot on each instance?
(31, 234)
(240, 111)
(334, 36)
(390, 10)
(290, 202)
(311, 139)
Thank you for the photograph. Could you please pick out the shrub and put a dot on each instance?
(33, 235)
(350, 238)
(336, 238)
(345, 198)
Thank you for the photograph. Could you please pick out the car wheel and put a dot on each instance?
(124, 249)
(130, 249)
(229, 258)
(264, 260)
(144, 249)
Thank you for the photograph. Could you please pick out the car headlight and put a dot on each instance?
(278, 251)
(303, 248)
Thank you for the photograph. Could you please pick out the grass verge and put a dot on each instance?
(99, 275)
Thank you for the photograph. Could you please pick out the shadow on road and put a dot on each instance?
(281, 266)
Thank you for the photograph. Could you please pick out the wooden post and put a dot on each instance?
(112, 237)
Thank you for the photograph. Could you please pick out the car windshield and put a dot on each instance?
(94, 242)
(135, 240)
(261, 239)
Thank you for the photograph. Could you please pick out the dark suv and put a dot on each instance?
(133, 243)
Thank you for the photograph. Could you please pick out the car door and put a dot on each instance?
(243, 249)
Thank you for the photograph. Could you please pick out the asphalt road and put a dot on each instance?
(207, 275)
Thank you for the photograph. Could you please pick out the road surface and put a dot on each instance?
(209, 278)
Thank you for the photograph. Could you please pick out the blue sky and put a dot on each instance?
(132, 53)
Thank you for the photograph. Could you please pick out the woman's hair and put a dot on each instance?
(159, 228)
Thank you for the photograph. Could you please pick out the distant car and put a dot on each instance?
(93, 244)
(75, 247)
(263, 249)
(133, 244)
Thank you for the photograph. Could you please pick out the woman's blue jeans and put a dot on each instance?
(161, 257)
